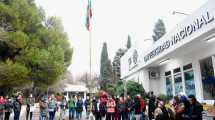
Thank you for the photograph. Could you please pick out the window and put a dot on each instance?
(189, 83)
(178, 81)
(208, 80)
(169, 87)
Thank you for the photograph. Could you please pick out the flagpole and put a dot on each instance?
(90, 53)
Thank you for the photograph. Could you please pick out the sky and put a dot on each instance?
(112, 21)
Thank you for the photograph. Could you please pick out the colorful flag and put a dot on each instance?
(89, 15)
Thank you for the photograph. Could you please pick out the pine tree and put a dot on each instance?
(159, 30)
(129, 42)
(30, 52)
(106, 73)
(116, 64)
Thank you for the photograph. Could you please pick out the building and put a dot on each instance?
(77, 90)
(183, 60)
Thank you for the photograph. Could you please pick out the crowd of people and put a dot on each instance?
(105, 107)
(9, 105)
(180, 108)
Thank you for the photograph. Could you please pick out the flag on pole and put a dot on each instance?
(89, 15)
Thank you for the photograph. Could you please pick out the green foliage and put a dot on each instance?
(133, 88)
(159, 30)
(13, 74)
(106, 73)
(29, 50)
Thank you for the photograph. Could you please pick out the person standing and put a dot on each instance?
(121, 109)
(43, 109)
(17, 107)
(95, 108)
(194, 111)
(110, 108)
(143, 108)
(8, 108)
(63, 107)
(137, 108)
(71, 105)
(2, 107)
(87, 104)
(29, 108)
(161, 112)
(79, 108)
(52, 105)
(129, 104)
(152, 105)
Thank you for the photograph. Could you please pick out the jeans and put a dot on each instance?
(7, 116)
(142, 116)
(71, 113)
(16, 115)
(130, 115)
(27, 114)
(43, 118)
(51, 115)
(78, 115)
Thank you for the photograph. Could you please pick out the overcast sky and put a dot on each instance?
(112, 21)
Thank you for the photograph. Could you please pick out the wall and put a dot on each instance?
(191, 57)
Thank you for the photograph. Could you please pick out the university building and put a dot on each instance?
(183, 60)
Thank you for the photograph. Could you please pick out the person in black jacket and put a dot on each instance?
(194, 111)
(152, 106)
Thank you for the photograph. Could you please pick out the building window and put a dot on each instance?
(178, 81)
(208, 80)
(169, 87)
(189, 80)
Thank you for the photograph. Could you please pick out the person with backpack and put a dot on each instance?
(79, 108)
(71, 105)
(52, 105)
(17, 107)
(43, 109)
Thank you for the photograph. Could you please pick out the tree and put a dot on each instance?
(159, 30)
(31, 53)
(133, 88)
(106, 74)
(129, 42)
(116, 64)
(91, 83)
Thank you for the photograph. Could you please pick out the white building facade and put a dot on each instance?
(183, 60)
